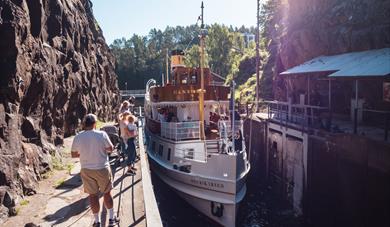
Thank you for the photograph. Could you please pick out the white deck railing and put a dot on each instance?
(180, 130)
(226, 123)
(302, 115)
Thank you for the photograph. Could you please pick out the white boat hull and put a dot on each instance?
(202, 199)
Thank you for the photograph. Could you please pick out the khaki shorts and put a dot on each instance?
(96, 180)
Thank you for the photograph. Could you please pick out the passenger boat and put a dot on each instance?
(195, 140)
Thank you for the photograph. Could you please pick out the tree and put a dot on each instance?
(219, 44)
(192, 57)
(140, 58)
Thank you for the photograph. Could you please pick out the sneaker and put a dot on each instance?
(113, 222)
(96, 224)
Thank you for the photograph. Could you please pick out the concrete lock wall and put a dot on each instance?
(257, 151)
(278, 160)
(332, 179)
(348, 181)
(287, 164)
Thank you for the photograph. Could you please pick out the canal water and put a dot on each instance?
(259, 208)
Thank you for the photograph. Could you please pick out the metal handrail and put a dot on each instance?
(308, 116)
(132, 92)
(299, 114)
(192, 154)
(180, 130)
(238, 124)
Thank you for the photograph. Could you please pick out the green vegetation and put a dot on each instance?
(141, 58)
(17, 210)
(24, 202)
(246, 92)
(228, 54)
(99, 124)
(69, 167)
(97, 27)
(47, 175)
(59, 182)
(57, 163)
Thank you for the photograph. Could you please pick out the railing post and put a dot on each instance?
(289, 109)
(175, 131)
(387, 126)
(247, 109)
(330, 121)
(355, 121)
(199, 129)
(269, 110)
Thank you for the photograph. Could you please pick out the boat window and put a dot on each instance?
(189, 153)
(193, 78)
(154, 146)
(169, 154)
(160, 150)
(184, 79)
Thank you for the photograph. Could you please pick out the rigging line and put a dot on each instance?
(188, 45)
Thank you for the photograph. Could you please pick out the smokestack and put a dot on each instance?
(177, 59)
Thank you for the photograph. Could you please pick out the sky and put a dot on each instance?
(123, 18)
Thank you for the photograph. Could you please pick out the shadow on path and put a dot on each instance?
(127, 188)
(67, 212)
(136, 222)
(70, 184)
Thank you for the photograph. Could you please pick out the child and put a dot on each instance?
(131, 149)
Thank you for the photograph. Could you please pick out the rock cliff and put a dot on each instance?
(309, 28)
(55, 67)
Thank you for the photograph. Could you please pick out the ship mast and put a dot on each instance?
(202, 91)
(167, 65)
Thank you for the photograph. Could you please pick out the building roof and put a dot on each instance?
(371, 63)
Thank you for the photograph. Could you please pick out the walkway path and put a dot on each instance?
(67, 205)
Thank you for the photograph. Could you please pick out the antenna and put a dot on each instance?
(167, 65)
(201, 16)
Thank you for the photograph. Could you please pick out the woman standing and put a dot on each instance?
(131, 148)
(125, 135)
(125, 106)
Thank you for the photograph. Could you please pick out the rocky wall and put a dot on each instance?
(305, 29)
(54, 68)
(329, 27)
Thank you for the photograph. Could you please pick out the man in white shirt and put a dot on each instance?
(93, 147)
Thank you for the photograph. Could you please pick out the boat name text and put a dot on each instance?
(180, 92)
(207, 183)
